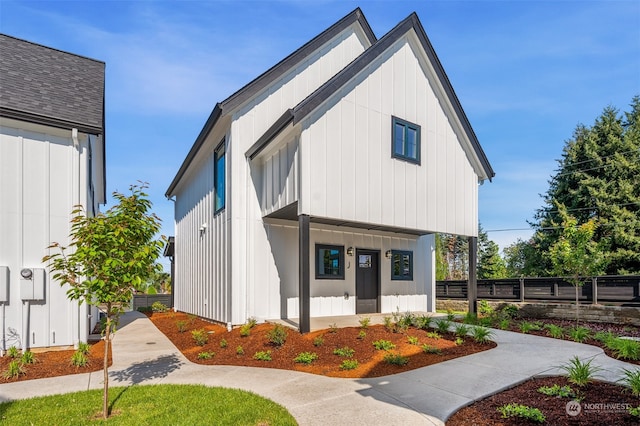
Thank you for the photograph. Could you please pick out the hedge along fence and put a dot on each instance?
(146, 300)
(622, 290)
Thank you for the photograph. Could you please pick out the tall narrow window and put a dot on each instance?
(402, 265)
(219, 177)
(405, 140)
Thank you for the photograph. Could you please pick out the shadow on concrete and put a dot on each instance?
(148, 370)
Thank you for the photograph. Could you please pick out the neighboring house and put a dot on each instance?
(317, 188)
(52, 157)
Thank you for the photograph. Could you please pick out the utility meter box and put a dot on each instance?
(4, 284)
(32, 284)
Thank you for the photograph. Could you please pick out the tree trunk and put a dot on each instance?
(577, 306)
(107, 340)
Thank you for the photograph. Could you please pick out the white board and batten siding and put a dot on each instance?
(354, 128)
(42, 177)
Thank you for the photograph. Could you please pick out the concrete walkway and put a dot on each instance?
(425, 396)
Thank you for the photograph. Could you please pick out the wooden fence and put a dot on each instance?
(624, 290)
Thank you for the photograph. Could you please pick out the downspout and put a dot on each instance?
(75, 310)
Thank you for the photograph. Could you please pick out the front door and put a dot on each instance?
(367, 281)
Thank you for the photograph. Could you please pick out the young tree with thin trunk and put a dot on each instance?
(110, 254)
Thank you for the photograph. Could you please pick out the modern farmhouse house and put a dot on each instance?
(316, 189)
(52, 157)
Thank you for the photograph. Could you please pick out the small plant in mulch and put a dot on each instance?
(305, 358)
(79, 359)
(433, 335)
(625, 348)
(345, 352)
(349, 364)
(262, 356)
(443, 326)
(159, 307)
(580, 373)
(396, 359)
(28, 357)
(181, 326)
(470, 318)
(461, 330)
(192, 318)
(631, 379)
(481, 334)
(422, 322)
(364, 322)
(333, 328)
(245, 329)
(318, 341)
(523, 412)
(200, 337)
(430, 349)
(277, 335)
(239, 350)
(504, 324)
(557, 390)
(223, 343)
(206, 355)
(383, 345)
(459, 341)
(634, 411)
(15, 369)
(527, 327)
(413, 340)
(13, 352)
(389, 324)
(579, 334)
(84, 347)
(362, 335)
(554, 331)
(404, 321)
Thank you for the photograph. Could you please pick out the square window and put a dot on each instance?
(329, 262)
(402, 265)
(405, 140)
(219, 177)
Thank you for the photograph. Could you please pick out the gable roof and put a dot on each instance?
(48, 86)
(264, 80)
(306, 106)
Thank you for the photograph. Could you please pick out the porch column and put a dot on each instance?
(472, 284)
(304, 273)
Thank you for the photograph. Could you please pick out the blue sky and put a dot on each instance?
(526, 73)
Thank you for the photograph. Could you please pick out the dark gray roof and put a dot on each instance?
(48, 86)
(267, 78)
(345, 75)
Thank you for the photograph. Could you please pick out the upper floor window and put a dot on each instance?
(405, 140)
(402, 265)
(329, 262)
(219, 177)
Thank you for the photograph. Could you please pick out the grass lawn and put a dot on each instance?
(157, 404)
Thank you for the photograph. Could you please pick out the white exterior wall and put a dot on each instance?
(279, 274)
(42, 176)
(279, 178)
(354, 128)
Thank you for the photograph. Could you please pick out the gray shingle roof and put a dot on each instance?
(48, 86)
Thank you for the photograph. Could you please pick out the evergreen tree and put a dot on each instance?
(522, 259)
(598, 178)
(490, 264)
(441, 264)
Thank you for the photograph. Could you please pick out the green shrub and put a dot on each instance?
(522, 411)
(625, 348)
(345, 352)
(389, 325)
(470, 318)
(396, 359)
(451, 316)
(634, 411)
(13, 352)
(509, 311)
(433, 335)
(430, 349)
(484, 308)
(422, 322)
(580, 373)
(462, 330)
(14, 369)
(239, 350)
(200, 337)
(318, 341)
(159, 307)
(443, 326)
(362, 334)
(459, 341)
(485, 321)
(245, 330)
(364, 322)
(206, 355)
(349, 364)
(557, 390)
(383, 345)
(262, 356)
(182, 326)
(412, 340)
(526, 327)
(554, 331)
(223, 343)
(28, 357)
(306, 358)
(277, 335)
(481, 334)
(579, 334)
(144, 309)
(605, 337)
(504, 324)
(632, 380)
(79, 359)
(84, 347)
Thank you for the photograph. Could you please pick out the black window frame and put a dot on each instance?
(406, 125)
(219, 154)
(340, 275)
(401, 253)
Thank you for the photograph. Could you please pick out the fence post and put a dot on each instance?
(594, 290)
(521, 289)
